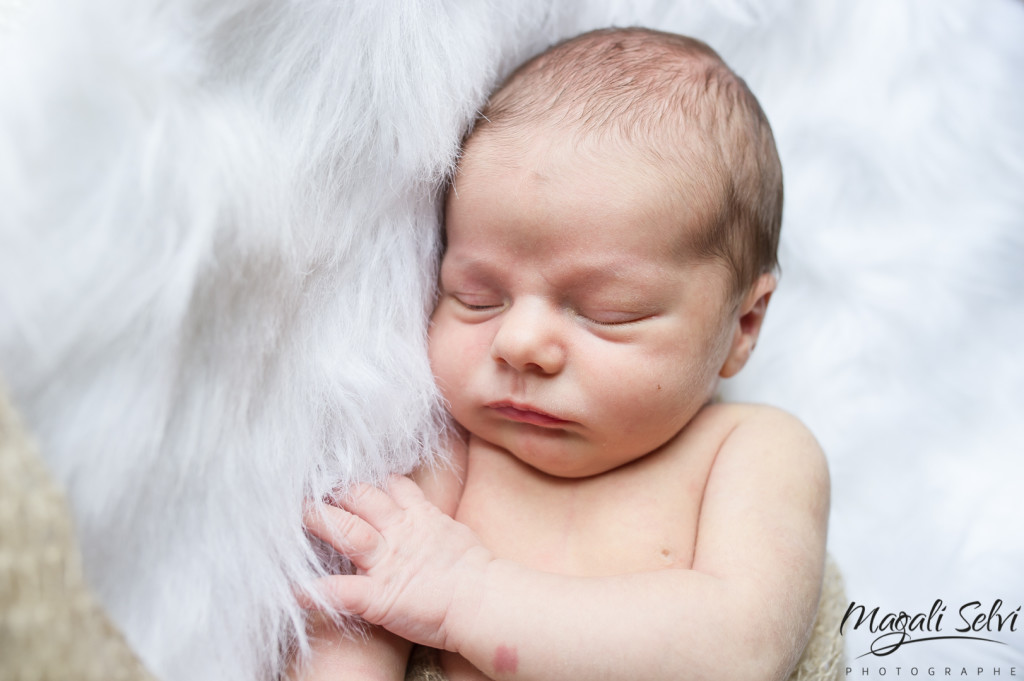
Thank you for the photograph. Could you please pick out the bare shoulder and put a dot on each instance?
(784, 444)
(765, 440)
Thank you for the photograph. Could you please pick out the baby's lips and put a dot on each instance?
(527, 414)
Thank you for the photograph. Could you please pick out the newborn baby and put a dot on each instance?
(611, 239)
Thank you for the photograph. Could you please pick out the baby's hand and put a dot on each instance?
(419, 571)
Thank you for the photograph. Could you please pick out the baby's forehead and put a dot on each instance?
(660, 179)
(624, 184)
(654, 153)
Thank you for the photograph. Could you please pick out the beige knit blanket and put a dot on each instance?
(51, 627)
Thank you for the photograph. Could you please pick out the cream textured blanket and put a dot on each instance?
(51, 626)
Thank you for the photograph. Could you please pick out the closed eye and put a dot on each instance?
(615, 319)
(476, 303)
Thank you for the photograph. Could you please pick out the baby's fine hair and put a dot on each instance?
(673, 100)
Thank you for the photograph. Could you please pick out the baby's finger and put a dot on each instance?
(405, 491)
(347, 533)
(372, 505)
(349, 594)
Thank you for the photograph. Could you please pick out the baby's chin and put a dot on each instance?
(558, 455)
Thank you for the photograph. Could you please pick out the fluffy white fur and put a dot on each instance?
(218, 235)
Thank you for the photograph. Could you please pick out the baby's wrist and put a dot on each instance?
(480, 630)
(464, 623)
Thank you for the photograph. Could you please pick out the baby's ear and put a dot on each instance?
(748, 324)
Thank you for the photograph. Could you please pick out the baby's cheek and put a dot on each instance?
(439, 367)
(437, 340)
(447, 357)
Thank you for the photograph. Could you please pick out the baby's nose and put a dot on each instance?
(530, 338)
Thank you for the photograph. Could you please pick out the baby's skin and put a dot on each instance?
(605, 519)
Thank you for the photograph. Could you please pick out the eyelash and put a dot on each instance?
(624, 322)
(484, 308)
(475, 308)
(479, 308)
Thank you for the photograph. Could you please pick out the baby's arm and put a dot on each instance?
(743, 612)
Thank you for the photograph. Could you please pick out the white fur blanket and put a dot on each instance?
(218, 234)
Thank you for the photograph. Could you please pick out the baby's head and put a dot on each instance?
(611, 235)
(671, 106)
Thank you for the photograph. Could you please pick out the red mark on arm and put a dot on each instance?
(506, 660)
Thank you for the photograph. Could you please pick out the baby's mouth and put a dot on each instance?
(526, 414)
